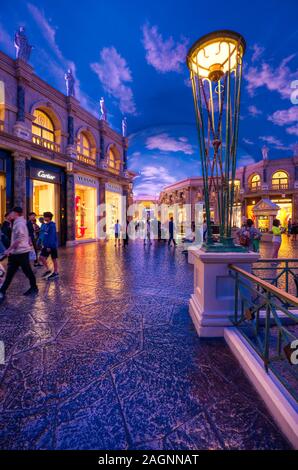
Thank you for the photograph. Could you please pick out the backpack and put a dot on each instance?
(244, 240)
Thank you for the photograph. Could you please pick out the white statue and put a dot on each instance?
(21, 43)
(265, 151)
(124, 127)
(103, 110)
(70, 82)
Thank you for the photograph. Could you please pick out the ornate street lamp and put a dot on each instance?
(215, 64)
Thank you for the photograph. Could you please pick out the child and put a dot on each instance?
(117, 233)
(50, 244)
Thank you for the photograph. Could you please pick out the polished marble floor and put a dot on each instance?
(107, 358)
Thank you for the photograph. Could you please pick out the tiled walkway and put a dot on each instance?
(107, 358)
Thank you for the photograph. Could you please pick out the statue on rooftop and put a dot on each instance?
(265, 151)
(124, 127)
(103, 110)
(70, 82)
(21, 43)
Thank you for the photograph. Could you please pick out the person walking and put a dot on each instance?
(117, 230)
(33, 233)
(289, 227)
(6, 230)
(41, 233)
(18, 254)
(50, 247)
(294, 230)
(276, 238)
(126, 238)
(171, 232)
(148, 231)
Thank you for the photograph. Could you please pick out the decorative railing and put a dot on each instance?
(280, 186)
(86, 159)
(48, 144)
(255, 188)
(282, 273)
(268, 319)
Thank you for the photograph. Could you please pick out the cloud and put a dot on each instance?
(245, 160)
(48, 31)
(166, 143)
(276, 143)
(6, 40)
(114, 74)
(247, 141)
(154, 179)
(56, 63)
(285, 116)
(278, 79)
(163, 54)
(257, 52)
(254, 111)
(293, 130)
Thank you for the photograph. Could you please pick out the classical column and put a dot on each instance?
(125, 147)
(70, 148)
(101, 212)
(19, 189)
(70, 209)
(22, 126)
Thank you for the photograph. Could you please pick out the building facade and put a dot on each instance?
(273, 180)
(56, 156)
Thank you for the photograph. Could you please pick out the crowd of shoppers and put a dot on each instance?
(23, 241)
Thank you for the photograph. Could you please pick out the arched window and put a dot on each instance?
(42, 129)
(280, 180)
(114, 162)
(255, 183)
(83, 145)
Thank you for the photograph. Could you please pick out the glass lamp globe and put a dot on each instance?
(215, 54)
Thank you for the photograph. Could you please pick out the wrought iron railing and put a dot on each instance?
(281, 272)
(268, 319)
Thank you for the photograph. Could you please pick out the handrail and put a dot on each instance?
(269, 287)
(276, 260)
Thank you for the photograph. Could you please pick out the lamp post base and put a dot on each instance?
(225, 245)
(212, 303)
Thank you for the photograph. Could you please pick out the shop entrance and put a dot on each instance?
(46, 197)
(285, 210)
(85, 212)
(113, 211)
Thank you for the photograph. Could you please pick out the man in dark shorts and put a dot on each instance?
(49, 248)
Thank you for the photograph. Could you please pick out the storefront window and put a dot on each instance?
(113, 211)
(46, 199)
(85, 201)
(2, 197)
(285, 210)
(280, 180)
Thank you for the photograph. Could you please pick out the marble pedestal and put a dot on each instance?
(212, 302)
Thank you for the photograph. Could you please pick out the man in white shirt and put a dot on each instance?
(18, 253)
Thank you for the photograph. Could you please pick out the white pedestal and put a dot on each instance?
(212, 302)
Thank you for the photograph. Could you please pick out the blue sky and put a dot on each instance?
(133, 53)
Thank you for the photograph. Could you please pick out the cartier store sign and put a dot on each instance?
(45, 175)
